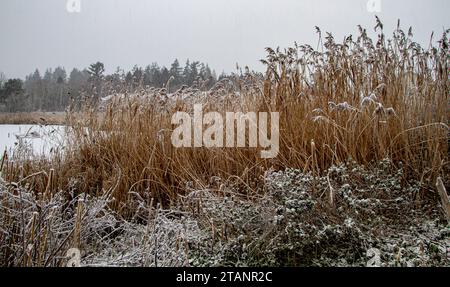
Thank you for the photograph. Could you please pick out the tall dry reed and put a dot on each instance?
(361, 99)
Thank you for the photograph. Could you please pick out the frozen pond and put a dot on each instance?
(31, 140)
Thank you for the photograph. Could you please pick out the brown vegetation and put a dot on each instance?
(360, 99)
(42, 118)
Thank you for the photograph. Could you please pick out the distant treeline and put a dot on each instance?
(54, 90)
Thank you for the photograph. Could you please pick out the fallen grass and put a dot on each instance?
(289, 224)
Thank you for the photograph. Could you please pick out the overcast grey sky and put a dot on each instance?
(42, 33)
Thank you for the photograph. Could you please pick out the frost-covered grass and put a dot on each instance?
(291, 224)
(294, 224)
